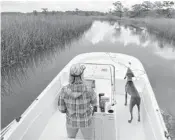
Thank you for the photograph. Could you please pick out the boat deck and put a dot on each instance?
(45, 122)
(56, 130)
(128, 131)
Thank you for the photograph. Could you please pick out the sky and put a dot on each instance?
(62, 5)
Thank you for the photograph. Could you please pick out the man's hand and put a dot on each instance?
(94, 110)
(63, 111)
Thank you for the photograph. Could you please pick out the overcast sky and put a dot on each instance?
(62, 5)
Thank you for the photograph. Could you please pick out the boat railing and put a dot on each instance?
(112, 75)
(4, 130)
(29, 116)
(158, 115)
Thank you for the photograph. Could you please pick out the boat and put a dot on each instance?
(105, 72)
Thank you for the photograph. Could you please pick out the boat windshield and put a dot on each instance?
(101, 74)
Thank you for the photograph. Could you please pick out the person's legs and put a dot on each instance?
(71, 132)
(87, 133)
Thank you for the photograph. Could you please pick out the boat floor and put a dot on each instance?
(56, 130)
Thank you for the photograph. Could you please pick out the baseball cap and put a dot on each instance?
(77, 69)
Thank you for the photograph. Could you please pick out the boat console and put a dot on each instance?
(43, 121)
(104, 115)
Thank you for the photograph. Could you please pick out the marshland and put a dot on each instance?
(35, 46)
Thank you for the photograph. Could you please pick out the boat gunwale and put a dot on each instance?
(12, 126)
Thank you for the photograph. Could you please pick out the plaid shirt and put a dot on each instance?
(77, 101)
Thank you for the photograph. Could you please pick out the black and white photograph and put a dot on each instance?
(87, 69)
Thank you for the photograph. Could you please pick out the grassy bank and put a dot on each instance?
(106, 18)
(161, 26)
(170, 123)
(27, 35)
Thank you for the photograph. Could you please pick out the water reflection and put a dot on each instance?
(167, 53)
(127, 35)
(26, 80)
(99, 31)
(113, 32)
(17, 73)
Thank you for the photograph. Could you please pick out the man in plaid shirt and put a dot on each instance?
(77, 100)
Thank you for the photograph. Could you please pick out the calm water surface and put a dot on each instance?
(156, 54)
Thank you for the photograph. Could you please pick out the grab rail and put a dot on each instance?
(112, 79)
(112, 82)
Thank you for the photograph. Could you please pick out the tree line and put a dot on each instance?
(146, 8)
(45, 11)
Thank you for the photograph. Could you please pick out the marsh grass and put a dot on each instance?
(162, 27)
(106, 18)
(170, 123)
(24, 37)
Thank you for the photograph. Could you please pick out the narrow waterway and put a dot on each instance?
(156, 54)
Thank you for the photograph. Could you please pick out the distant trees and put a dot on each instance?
(118, 8)
(53, 12)
(169, 9)
(44, 10)
(158, 5)
(146, 8)
(35, 12)
(110, 11)
(164, 8)
(76, 11)
(126, 11)
(168, 4)
(136, 9)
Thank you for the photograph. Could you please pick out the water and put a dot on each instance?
(157, 55)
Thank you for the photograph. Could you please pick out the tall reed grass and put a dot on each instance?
(162, 27)
(27, 35)
(26, 38)
(106, 18)
(170, 123)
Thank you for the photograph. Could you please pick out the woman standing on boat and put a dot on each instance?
(77, 100)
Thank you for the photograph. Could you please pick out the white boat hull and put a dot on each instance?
(43, 121)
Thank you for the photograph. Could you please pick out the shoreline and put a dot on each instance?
(163, 27)
(35, 34)
(158, 26)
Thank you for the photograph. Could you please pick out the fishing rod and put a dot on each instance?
(126, 66)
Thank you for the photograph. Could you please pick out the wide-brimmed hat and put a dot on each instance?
(77, 69)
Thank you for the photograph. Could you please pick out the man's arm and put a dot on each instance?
(93, 98)
(94, 101)
(61, 103)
